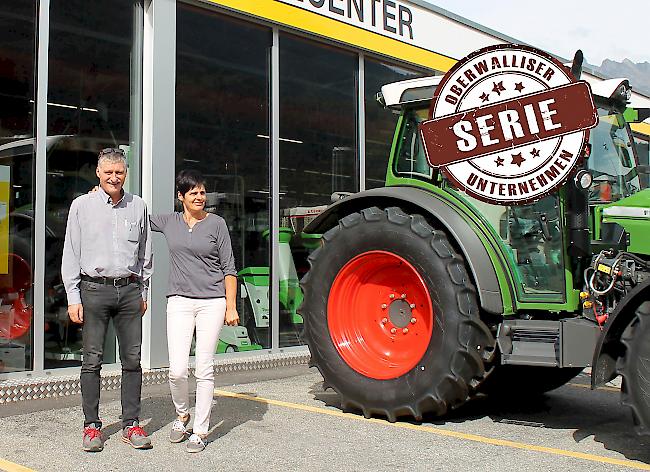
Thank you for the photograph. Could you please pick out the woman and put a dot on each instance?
(202, 292)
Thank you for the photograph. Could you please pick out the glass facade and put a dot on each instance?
(318, 153)
(17, 66)
(222, 129)
(380, 123)
(90, 93)
(222, 115)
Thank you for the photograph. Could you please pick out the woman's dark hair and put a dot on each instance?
(186, 180)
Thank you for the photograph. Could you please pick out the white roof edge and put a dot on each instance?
(393, 92)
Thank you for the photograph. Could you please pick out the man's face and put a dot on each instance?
(111, 177)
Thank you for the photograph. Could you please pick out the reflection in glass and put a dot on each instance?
(612, 159)
(643, 152)
(222, 129)
(380, 122)
(17, 37)
(89, 92)
(318, 154)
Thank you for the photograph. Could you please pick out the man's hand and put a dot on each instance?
(232, 317)
(76, 313)
(144, 306)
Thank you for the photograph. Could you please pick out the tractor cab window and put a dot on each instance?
(411, 161)
(612, 161)
(532, 237)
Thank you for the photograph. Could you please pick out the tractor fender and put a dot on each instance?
(414, 200)
(609, 347)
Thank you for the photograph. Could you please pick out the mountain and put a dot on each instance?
(638, 73)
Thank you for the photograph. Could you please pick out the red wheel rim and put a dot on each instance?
(379, 315)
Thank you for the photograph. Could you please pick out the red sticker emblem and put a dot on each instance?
(508, 124)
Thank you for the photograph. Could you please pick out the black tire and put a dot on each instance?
(453, 363)
(634, 366)
(524, 380)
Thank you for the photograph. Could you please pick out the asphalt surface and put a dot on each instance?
(282, 420)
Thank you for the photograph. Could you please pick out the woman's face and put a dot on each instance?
(194, 199)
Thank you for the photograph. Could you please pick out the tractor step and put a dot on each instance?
(564, 343)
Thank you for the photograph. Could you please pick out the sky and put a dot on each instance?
(614, 30)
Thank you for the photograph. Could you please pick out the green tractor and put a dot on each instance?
(420, 296)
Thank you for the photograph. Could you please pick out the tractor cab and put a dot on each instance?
(533, 241)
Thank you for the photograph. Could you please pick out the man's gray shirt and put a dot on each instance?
(200, 257)
(106, 240)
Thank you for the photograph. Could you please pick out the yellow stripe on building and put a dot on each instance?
(304, 20)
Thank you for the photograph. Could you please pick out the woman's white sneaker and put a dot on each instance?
(179, 429)
(195, 443)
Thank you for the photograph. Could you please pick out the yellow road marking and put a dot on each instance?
(11, 467)
(442, 432)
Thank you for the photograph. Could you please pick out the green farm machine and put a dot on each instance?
(420, 296)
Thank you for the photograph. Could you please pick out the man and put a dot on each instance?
(106, 268)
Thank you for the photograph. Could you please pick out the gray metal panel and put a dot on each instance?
(471, 246)
(38, 321)
(578, 340)
(275, 190)
(530, 342)
(158, 160)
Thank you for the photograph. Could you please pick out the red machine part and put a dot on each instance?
(15, 313)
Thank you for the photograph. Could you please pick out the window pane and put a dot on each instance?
(17, 36)
(380, 122)
(222, 129)
(318, 153)
(89, 94)
(643, 152)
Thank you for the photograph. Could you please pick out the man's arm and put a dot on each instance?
(145, 257)
(71, 264)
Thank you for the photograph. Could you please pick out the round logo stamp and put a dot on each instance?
(508, 124)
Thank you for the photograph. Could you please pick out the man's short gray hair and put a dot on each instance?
(113, 156)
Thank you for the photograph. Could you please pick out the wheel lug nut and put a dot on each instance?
(383, 306)
(405, 330)
(403, 295)
(393, 330)
(391, 296)
(413, 320)
(412, 305)
(384, 320)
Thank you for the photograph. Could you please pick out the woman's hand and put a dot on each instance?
(232, 317)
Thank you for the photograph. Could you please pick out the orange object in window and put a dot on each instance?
(605, 192)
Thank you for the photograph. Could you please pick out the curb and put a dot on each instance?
(63, 386)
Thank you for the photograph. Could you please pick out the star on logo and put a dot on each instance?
(535, 152)
(484, 96)
(499, 161)
(498, 88)
(519, 87)
(517, 159)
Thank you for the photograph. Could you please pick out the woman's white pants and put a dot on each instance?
(183, 316)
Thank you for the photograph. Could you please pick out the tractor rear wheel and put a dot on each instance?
(391, 316)
(634, 366)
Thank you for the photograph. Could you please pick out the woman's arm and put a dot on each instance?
(230, 274)
(158, 222)
(232, 317)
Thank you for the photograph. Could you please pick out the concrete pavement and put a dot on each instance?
(282, 420)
